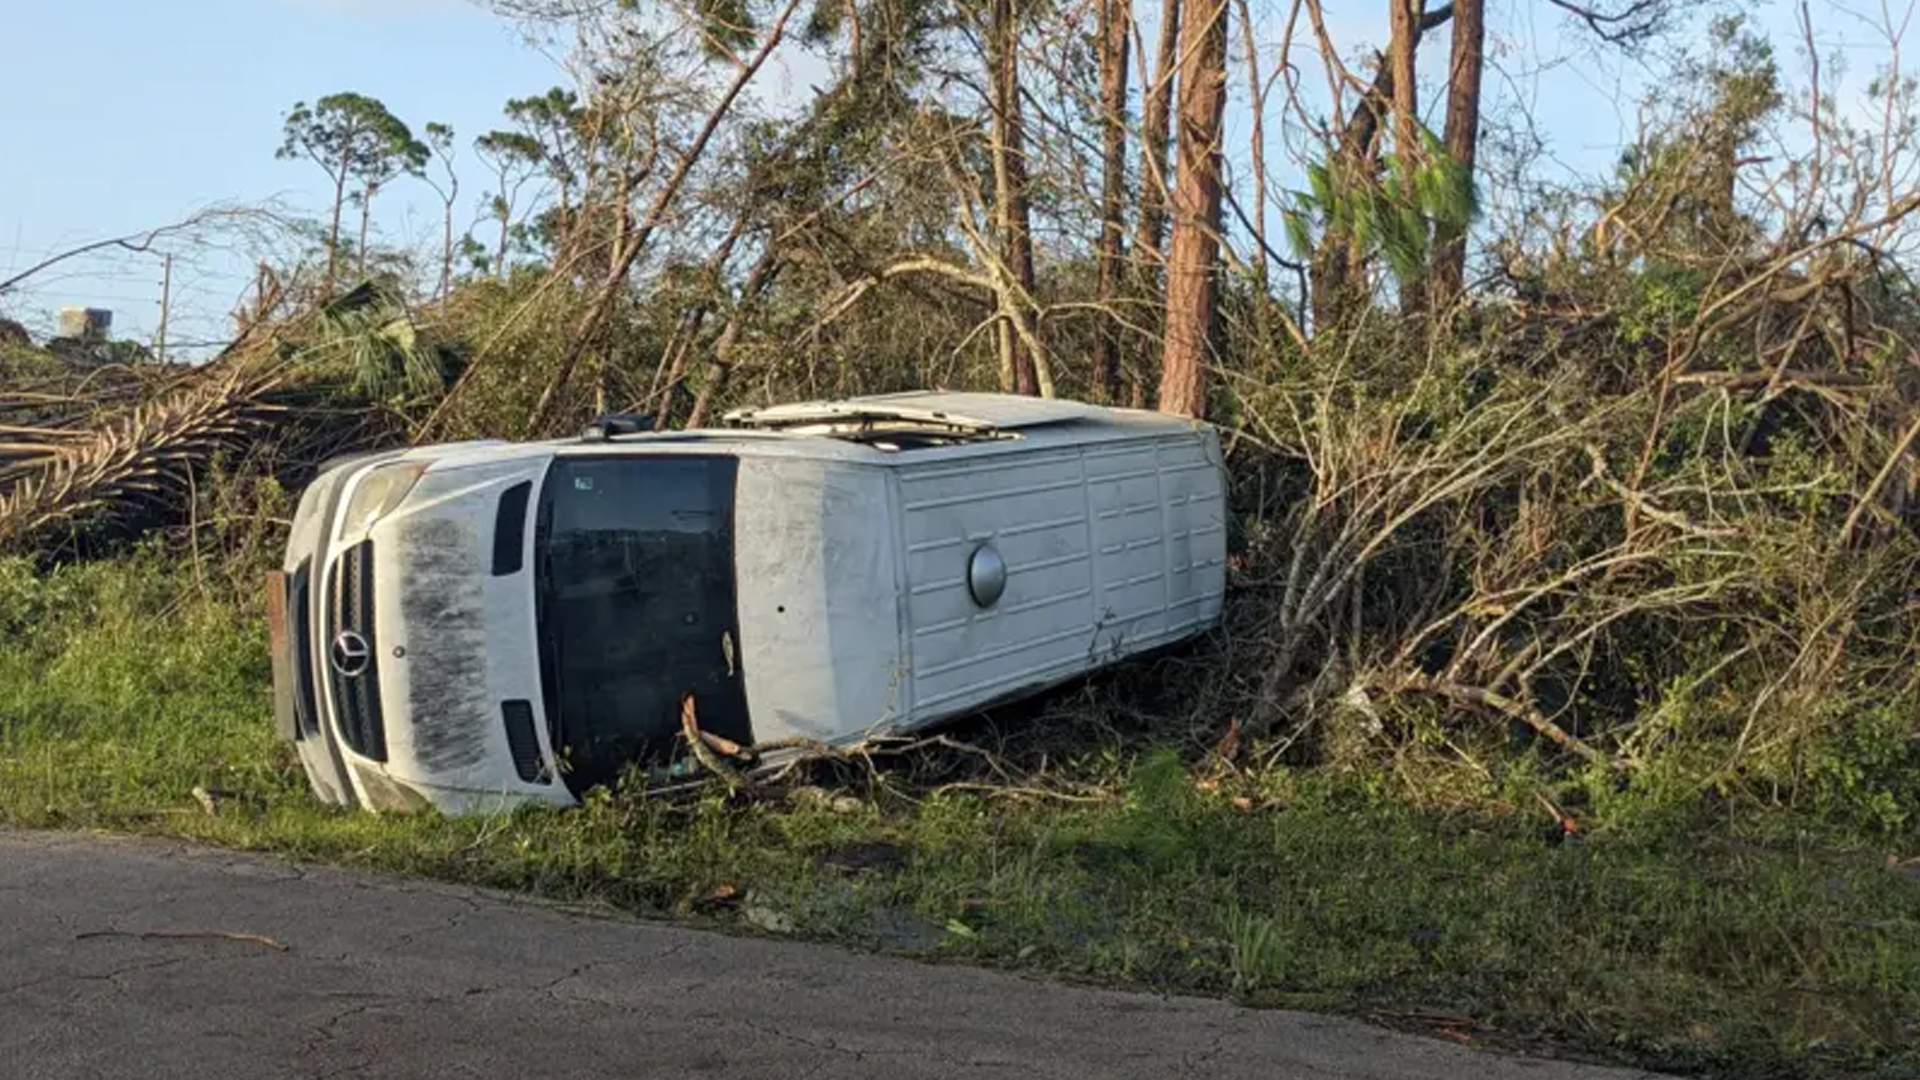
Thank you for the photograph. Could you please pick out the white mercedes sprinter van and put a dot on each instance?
(473, 625)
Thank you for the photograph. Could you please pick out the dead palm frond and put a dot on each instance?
(141, 457)
(96, 449)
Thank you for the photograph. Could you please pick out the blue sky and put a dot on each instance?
(126, 114)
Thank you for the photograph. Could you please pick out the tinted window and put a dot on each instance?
(636, 606)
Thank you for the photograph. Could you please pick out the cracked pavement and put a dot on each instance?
(398, 978)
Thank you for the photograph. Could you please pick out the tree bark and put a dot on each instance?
(1116, 24)
(622, 215)
(1354, 159)
(1195, 246)
(673, 362)
(720, 370)
(1010, 194)
(446, 249)
(562, 171)
(1155, 121)
(1401, 52)
(333, 232)
(366, 218)
(1335, 264)
(1462, 139)
(1256, 148)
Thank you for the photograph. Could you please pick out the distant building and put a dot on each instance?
(88, 325)
(86, 337)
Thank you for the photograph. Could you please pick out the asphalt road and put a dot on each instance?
(129, 958)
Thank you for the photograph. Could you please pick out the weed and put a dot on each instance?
(1253, 956)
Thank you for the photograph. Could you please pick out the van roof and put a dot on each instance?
(938, 423)
(877, 430)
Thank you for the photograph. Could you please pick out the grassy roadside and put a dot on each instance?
(1739, 945)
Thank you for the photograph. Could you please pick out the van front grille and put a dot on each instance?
(353, 653)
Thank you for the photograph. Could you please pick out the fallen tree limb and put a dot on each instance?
(1479, 697)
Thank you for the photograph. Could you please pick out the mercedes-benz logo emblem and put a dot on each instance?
(350, 654)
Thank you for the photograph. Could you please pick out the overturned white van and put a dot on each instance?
(471, 625)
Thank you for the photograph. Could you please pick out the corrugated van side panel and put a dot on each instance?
(1129, 542)
(1192, 491)
(1032, 506)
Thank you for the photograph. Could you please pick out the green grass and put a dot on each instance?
(1751, 945)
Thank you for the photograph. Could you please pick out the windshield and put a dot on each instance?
(636, 608)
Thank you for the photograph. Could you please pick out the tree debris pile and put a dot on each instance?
(1648, 512)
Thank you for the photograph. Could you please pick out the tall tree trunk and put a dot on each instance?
(1335, 277)
(1150, 224)
(1257, 149)
(366, 218)
(1116, 24)
(333, 232)
(1155, 120)
(563, 222)
(672, 368)
(1010, 195)
(446, 253)
(1195, 246)
(1401, 53)
(720, 371)
(1462, 139)
(500, 253)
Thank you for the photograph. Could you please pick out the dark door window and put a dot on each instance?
(636, 608)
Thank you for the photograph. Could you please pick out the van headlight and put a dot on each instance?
(379, 492)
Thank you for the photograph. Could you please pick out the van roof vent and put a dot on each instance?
(914, 420)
